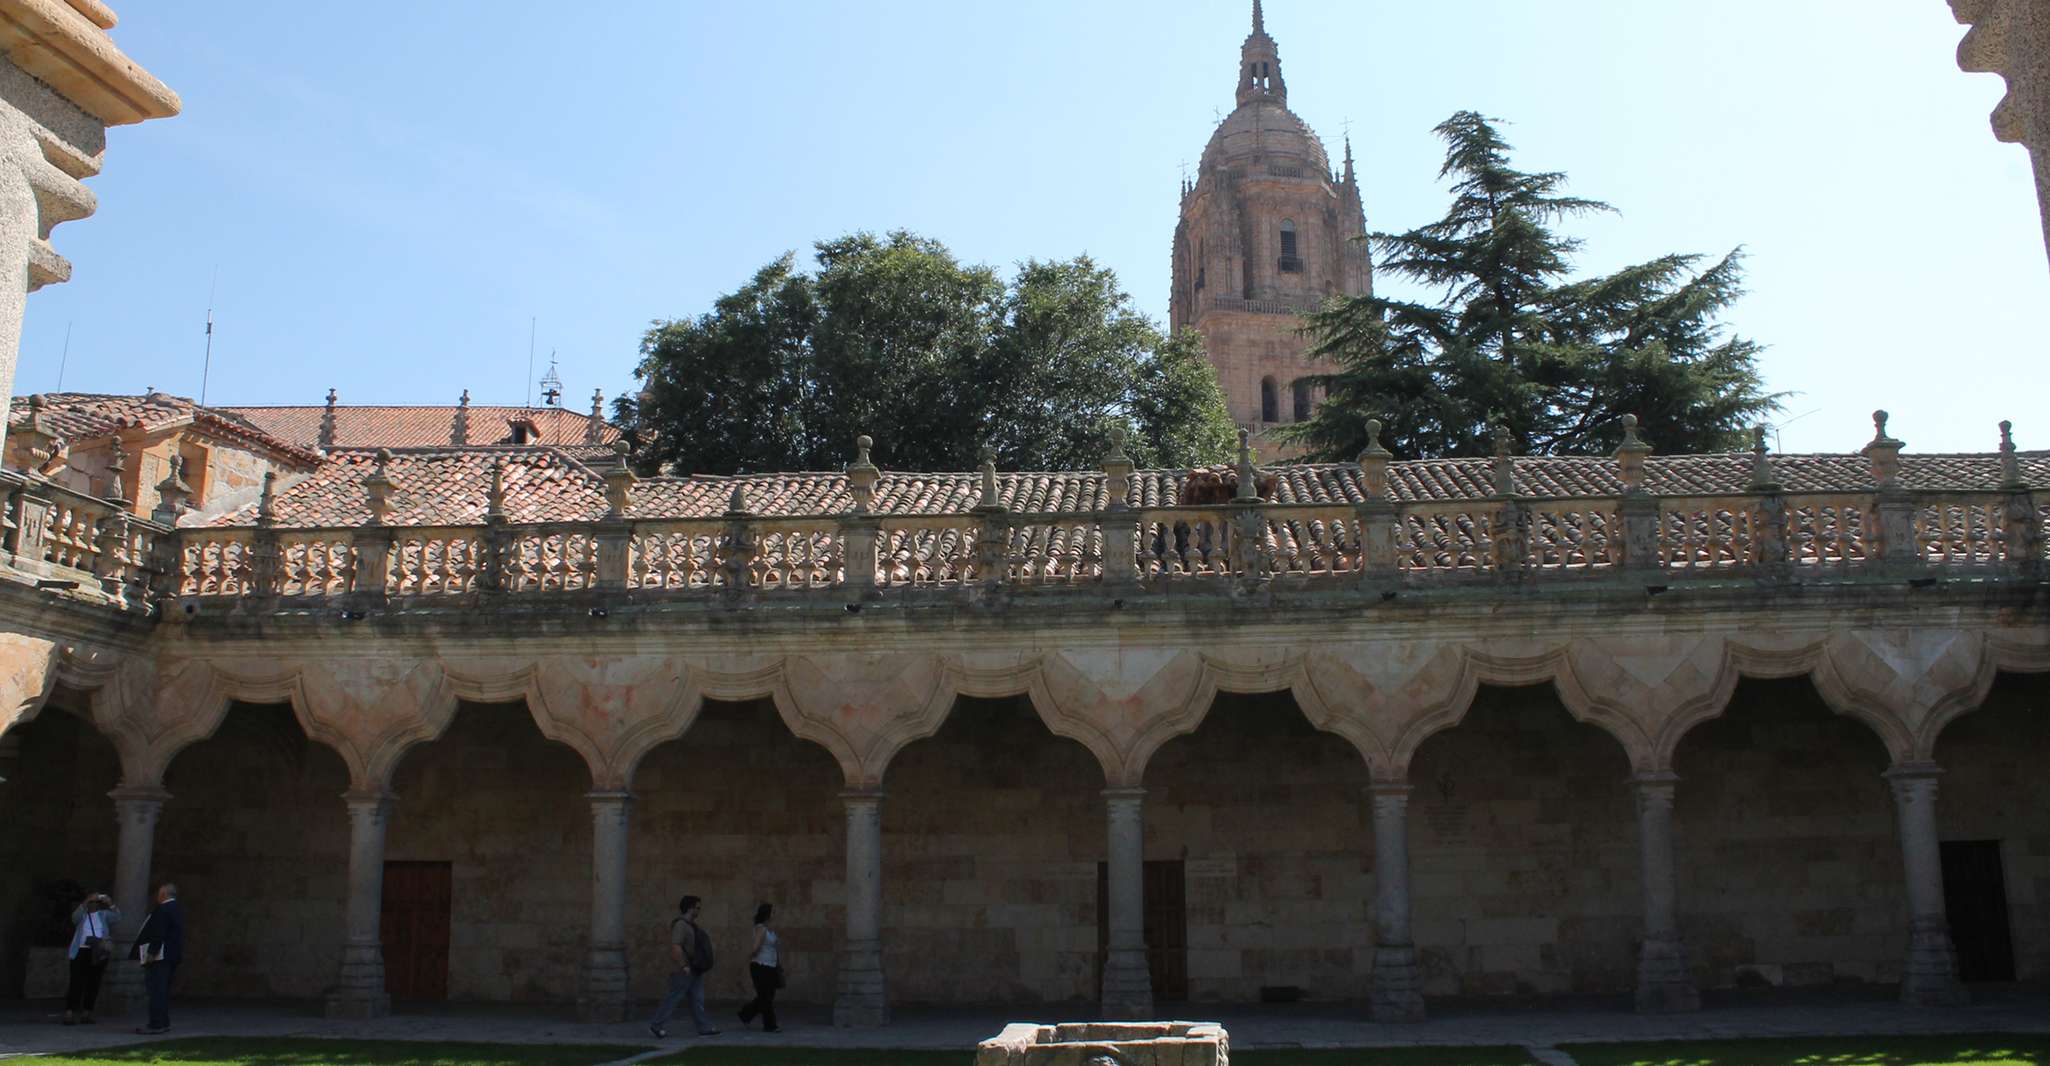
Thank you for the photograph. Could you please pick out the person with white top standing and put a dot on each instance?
(92, 947)
(765, 968)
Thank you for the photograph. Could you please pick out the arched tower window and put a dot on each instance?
(1302, 400)
(1270, 400)
(1290, 262)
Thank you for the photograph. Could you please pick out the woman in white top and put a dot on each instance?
(765, 967)
(92, 945)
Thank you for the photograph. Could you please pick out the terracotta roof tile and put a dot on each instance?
(448, 486)
(424, 426)
(83, 416)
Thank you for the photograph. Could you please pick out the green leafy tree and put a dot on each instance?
(893, 337)
(1511, 342)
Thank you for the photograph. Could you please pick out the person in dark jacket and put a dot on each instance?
(160, 946)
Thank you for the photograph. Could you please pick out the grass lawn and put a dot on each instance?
(224, 1051)
(1990, 1048)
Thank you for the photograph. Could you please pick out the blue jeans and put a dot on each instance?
(685, 985)
(156, 977)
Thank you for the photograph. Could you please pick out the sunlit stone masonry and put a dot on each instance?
(463, 722)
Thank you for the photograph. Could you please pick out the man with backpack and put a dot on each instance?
(690, 958)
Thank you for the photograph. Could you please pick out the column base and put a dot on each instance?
(1397, 995)
(604, 997)
(1930, 977)
(863, 1001)
(1665, 985)
(357, 1006)
(1127, 986)
(121, 991)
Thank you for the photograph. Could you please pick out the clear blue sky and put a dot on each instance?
(389, 192)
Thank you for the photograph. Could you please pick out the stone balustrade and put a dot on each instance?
(68, 540)
(1367, 542)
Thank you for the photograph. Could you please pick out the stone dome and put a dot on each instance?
(1266, 130)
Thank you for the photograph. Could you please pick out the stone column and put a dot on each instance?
(17, 239)
(1664, 983)
(1929, 978)
(1127, 982)
(1396, 995)
(135, 812)
(863, 998)
(359, 990)
(605, 973)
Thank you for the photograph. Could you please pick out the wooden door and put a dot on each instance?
(1975, 898)
(1166, 924)
(414, 928)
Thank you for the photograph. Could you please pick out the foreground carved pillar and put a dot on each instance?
(1929, 978)
(359, 990)
(863, 998)
(135, 812)
(605, 971)
(1397, 995)
(1664, 983)
(1127, 983)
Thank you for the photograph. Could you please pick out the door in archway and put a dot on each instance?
(414, 928)
(1167, 927)
(1975, 899)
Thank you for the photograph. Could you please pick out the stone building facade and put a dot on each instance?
(461, 723)
(1268, 230)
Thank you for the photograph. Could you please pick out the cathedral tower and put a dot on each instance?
(1267, 232)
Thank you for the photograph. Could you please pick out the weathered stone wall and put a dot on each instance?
(1788, 855)
(256, 837)
(991, 835)
(1268, 815)
(58, 824)
(1523, 860)
(506, 808)
(739, 812)
(1994, 788)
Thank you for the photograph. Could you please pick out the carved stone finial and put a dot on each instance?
(464, 400)
(1763, 477)
(1117, 470)
(494, 498)
(267, 502)
(989, 481)
(862, 475)
(117, 462)
(1248, 488)
(736, 503)
(1374, 462)
(1504, 465)
(2010, 463)
(459, 424)
(619, 482)
(327, 422)
(377, 488)
(1885, 454)
(1630, 456)
(174, 496)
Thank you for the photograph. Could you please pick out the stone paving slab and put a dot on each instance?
(30, 1027)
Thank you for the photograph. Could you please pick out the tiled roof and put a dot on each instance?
(428, 426)
(84, 416)
(448, 486)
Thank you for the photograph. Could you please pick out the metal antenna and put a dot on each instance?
(65, 358)
(529, 401)
(207, 365)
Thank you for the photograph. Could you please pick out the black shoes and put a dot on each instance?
(657, 1031)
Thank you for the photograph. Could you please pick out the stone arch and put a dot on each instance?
(1905, 683)
(863, 708)
(207, 691)
(2005, 654)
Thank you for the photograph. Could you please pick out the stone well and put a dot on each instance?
(1107, 1044)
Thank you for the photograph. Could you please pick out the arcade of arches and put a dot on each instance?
(1379, 821)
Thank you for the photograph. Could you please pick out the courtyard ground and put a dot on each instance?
(1597, 1033)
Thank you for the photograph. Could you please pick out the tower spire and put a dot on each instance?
(1348, 157)
(1260, 65)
